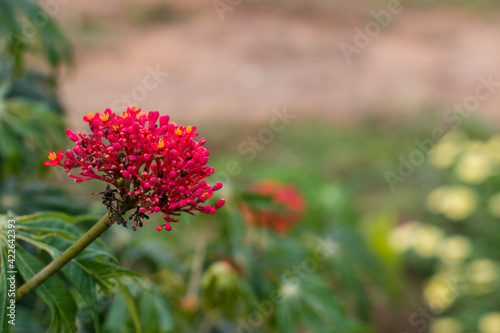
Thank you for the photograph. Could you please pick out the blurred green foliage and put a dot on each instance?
(27, 29)
(453, 245)
(33, 50)
(361, 249)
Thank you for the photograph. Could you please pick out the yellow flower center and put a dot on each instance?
(116, 127)
(52, 156)
(178, 132)
(91, 115)
(189, 129)
(105, 117)
(161, 144)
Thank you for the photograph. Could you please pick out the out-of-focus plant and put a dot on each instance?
(152, 168)
(27, 130)
(237, 276)
(456, 249)
(27, 29)
(32, 51)
(89, 277)
(261, 213)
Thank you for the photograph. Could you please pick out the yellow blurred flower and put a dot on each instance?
(474, 168)
(435, 199)
(490, 323)
(401, 238)
(444, 154)
(492, 148)
(440, 293)
(494, 205)
(445, 325)
(427, 239)
(455, 248)
(482, 275)
(455, 202)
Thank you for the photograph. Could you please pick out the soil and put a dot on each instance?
(264, 57)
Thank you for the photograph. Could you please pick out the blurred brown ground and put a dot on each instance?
(272, 54)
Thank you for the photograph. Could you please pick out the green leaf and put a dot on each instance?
(148, 314)
(50, 225)
(107, 270)
(154, 313)
(53, 291)
(57, 216)
(116, 317)
(166, 322)
(132, 308)
(88, 260)
(60, 243)
(285, 321)
(83, 279)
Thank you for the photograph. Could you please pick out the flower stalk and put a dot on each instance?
(91, 235)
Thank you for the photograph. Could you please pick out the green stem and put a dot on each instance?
(102, 225)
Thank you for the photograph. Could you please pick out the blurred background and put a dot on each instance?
(356, 140)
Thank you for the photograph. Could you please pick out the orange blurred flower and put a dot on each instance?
(288, 206)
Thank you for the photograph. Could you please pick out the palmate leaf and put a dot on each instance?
(57, 216)
(50, 225)
(314, 306)
(86, 272)
(61, 243)
(77, 274)
(53, 292)
(93, 271)
(14, 194)
(139, 307)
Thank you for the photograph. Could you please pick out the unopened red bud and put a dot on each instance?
(217, 186)
(220, 203)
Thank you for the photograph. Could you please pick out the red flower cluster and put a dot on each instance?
(157, 167)
(277, 218)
